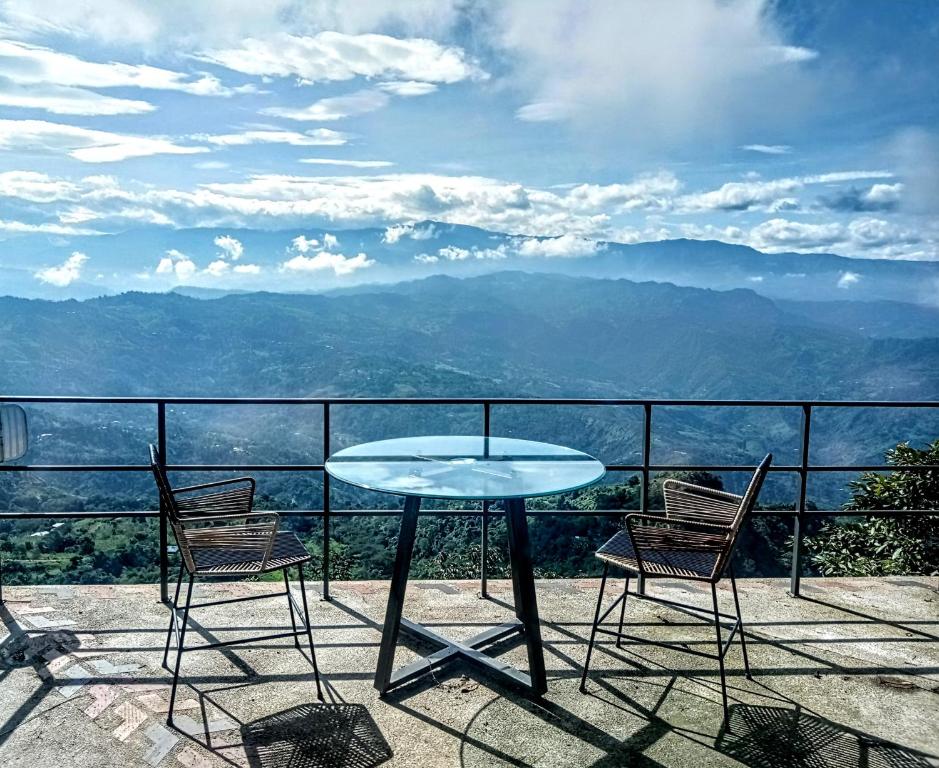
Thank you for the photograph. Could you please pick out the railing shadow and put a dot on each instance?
(779, 737)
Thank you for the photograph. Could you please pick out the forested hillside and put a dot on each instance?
(507, 334)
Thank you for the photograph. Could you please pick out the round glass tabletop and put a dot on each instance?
(464, 467)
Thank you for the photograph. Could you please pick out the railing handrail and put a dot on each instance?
(644, 469)
(654, 401)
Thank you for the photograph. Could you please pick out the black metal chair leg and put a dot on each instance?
(293, 621)
(720, 653)
(593, 630)
(622, 613)
(180, 649)
(169, 632)
(309, 634)
(743, 638)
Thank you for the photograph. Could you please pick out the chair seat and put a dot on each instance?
(288, 550)
(682, 563)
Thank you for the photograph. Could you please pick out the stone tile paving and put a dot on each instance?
(850, 671)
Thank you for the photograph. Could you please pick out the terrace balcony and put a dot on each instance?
(845, 675)
(845, 671)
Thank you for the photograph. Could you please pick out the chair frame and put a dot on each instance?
(219, 520)
(697, 520)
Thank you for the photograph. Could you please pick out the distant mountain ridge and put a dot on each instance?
(427, 248)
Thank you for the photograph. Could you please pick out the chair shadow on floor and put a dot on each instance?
(779, 737)
(316, 735)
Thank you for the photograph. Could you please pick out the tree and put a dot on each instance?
(882, 546)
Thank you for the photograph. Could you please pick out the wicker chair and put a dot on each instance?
(219, 534)
(695, 541)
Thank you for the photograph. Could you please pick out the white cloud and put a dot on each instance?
(847, 279)
(768, 149)
(426, 258)
(36, 187)
(231, 247)
(63, 100)
(395, 232)
(217, 268)
(347, 163)
(545, 111)
(690, 68)
(172, 27)
(335, 56)
(330, 241)
(66, 273)
(565, 246)
(772, 194)
(178, 264)
(782, 233)
(28, 64)
(337, 262)
(47, 228)
(335, 107)
(302, 244)
(85, 144)
(247, 269)
(408, 88)
(318, 137)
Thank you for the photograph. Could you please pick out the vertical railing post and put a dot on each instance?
(646, 461)
(164, 554)
(797, 532)
(326, 450)
(484, 536)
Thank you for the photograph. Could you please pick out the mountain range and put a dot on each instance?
(427, 248)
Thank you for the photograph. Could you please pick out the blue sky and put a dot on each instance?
(798, 126)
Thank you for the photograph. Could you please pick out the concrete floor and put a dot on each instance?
(848, 675)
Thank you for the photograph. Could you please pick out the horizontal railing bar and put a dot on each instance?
(321, 468)
(494, 511)
(109, 400)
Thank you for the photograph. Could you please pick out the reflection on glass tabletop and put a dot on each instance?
(465, 467)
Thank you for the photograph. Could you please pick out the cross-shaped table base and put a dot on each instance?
(526, 609)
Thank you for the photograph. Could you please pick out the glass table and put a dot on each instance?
(465, 468)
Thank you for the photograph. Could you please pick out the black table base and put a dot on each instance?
(526, 610)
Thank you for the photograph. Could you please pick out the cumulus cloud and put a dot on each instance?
(565, 246)
(177, 264)
(218, 268)
(772, 194)
(695, 67)
(303, 244)
(230, 247)
(455, 253)
(335, 107)
(412, 231)
(66, 273)
(337, 262)
(173, 27)
(879, 197)
(85, 144)
(335, 56)
(330, 241)
(847, 279)
(36, 187)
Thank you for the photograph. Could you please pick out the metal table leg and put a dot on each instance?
(523, 579)
(526, 608)
(399, 583)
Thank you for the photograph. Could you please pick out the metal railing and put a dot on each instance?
(644, 469)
